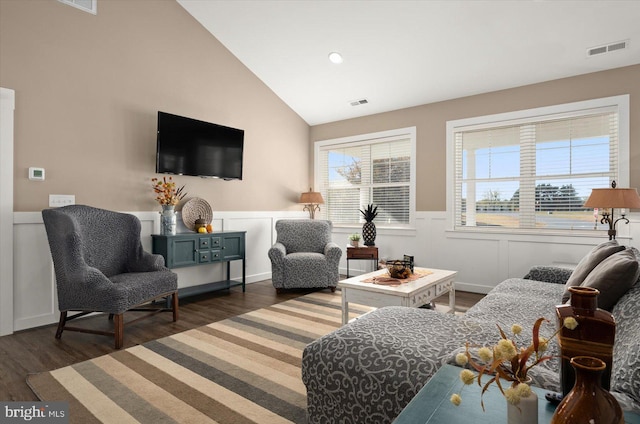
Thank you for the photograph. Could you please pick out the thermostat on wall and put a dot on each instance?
(36, 174)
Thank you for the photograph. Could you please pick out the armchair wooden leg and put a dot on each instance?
(63, 319)
(174, 306)
(118, 327)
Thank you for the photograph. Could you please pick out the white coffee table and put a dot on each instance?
(412, 294)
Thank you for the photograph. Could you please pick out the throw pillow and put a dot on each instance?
(636, 253)
(614, 276)
(588, 263)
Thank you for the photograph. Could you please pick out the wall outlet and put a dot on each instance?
(57, 200)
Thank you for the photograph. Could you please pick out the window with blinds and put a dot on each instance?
(368, 169)
(534, 172)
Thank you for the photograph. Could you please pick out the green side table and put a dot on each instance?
(431, 405)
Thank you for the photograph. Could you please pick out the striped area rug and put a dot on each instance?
(244, 369)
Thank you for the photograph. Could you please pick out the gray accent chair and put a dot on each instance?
(304, 255)
(100, 266)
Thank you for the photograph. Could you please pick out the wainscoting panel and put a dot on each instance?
(566, 254)
(476, 260)
(34, 297)
(34, 294)
(258, 242)
(482, 259)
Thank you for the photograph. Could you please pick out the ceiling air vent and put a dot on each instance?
(618, 45)
(359, 102)
(90, 6)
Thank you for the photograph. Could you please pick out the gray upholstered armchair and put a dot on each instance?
(304, 255)
(100, 266)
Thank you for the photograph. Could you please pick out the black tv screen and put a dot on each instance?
(188, 146)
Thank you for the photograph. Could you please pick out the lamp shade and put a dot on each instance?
(311, 197)
(626, 198)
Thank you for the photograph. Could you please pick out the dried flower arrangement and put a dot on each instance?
(505, 361)
(166, 192)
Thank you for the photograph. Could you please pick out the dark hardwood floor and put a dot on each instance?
(36, 350)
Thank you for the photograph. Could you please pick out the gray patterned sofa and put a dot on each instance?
(368, 370)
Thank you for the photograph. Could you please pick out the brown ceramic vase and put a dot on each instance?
(594, 335)
(588, 402)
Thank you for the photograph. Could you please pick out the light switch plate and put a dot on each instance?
(57, 200)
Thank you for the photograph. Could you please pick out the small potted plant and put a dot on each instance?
(355, 239)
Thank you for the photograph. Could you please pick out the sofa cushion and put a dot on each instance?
(614, 276)
(636, 253)
(588, 263)
(549, 274)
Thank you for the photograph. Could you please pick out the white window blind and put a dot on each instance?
(534, 173)
(351, 175)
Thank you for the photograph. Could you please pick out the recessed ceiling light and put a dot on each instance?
(335, 57)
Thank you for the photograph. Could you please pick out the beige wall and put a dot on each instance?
(430, 121)
(88, 89)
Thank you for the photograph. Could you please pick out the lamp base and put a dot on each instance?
(312, 210)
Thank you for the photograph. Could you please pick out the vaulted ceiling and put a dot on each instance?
(398, 54)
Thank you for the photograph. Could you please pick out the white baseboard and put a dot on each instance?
(473, 288)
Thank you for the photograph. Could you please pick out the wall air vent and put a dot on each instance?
(90, 6)
(359, 102)
(618, 45)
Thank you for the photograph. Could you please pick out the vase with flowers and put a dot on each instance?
(507, 364)
(168, 195)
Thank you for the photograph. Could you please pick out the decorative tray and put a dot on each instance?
(194, 209)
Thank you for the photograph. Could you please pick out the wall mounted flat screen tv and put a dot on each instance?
(188, 146)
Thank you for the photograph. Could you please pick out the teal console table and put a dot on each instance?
(193, 249)
(431, 404)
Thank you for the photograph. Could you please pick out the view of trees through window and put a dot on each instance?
(555, 207)
(377, 173)
(535, 174)
(548, 198)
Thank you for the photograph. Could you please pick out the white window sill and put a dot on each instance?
(386, 230)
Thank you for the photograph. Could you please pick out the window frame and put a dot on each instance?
(575, 109)
(369, 139)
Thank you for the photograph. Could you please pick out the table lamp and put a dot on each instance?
(611, 198)
(312, 200)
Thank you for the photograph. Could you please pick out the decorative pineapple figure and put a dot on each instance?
(369, 228)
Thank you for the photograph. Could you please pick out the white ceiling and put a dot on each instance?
(399, 54)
